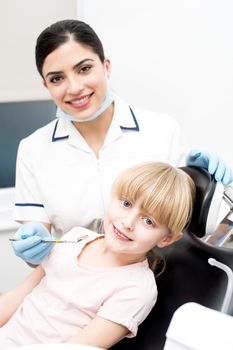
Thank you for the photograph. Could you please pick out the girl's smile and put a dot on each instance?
(130, 233)
(120, 235)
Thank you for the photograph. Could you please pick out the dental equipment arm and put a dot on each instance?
(10, 301)
(210, 161)
(229, 291)
(222, 235)
(228, 196)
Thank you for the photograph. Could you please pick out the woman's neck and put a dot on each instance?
(94, 132)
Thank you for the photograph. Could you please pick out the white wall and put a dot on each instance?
(12, 269)
(174, 57)
(20, 24)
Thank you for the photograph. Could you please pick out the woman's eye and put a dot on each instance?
(55, 79)
(126, 203)
(85, 69)
(148, 222)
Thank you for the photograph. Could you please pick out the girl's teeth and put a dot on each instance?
(121, 235)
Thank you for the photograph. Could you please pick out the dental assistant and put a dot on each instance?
(65, 169)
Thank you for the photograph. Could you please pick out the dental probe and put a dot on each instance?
(49, 240)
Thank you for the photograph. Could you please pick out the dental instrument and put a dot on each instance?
(48, 240)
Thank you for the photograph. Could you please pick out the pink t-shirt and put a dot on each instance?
(71, 295)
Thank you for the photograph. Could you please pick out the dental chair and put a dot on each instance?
(188, 276)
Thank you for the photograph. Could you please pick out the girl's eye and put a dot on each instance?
(148, 222)
(85, 69)
(126, 203)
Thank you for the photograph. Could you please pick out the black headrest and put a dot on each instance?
(205, 188)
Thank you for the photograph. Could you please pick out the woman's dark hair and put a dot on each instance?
(59, 33)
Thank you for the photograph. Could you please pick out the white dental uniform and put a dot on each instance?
(60, 181)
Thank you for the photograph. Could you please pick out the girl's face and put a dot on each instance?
(132, 232)
(76, 79)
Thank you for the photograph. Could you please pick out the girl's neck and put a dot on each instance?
(96, 254)
(94, 132)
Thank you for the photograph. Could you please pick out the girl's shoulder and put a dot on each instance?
(80, 234)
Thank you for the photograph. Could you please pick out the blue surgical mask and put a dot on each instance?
(109, 98)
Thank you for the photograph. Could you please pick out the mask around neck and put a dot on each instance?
(109, 98)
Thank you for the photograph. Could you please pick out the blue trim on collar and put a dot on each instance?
(54, 138)
(136, 128)
(29, 205)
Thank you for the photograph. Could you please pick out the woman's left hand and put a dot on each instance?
(210, 161)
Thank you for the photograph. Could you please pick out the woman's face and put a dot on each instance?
(76, 79)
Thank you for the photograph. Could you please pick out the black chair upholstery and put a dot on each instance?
(188, 276)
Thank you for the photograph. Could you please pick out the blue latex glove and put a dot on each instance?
(30, 248)
(212, 163)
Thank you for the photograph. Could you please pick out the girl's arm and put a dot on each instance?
(101, 333)
(10, 301)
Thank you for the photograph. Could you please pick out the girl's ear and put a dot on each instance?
(169, 239)
(45, 84)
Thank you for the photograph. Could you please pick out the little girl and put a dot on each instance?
(99, 290)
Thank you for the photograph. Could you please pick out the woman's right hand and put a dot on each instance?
(30, 247)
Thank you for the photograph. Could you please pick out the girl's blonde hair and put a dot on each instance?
(166, 192)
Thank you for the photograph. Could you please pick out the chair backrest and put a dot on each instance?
(188, 277)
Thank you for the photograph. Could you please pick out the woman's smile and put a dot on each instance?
(81, 102)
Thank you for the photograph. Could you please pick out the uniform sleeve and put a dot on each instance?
(28, 203)
(129, 306)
